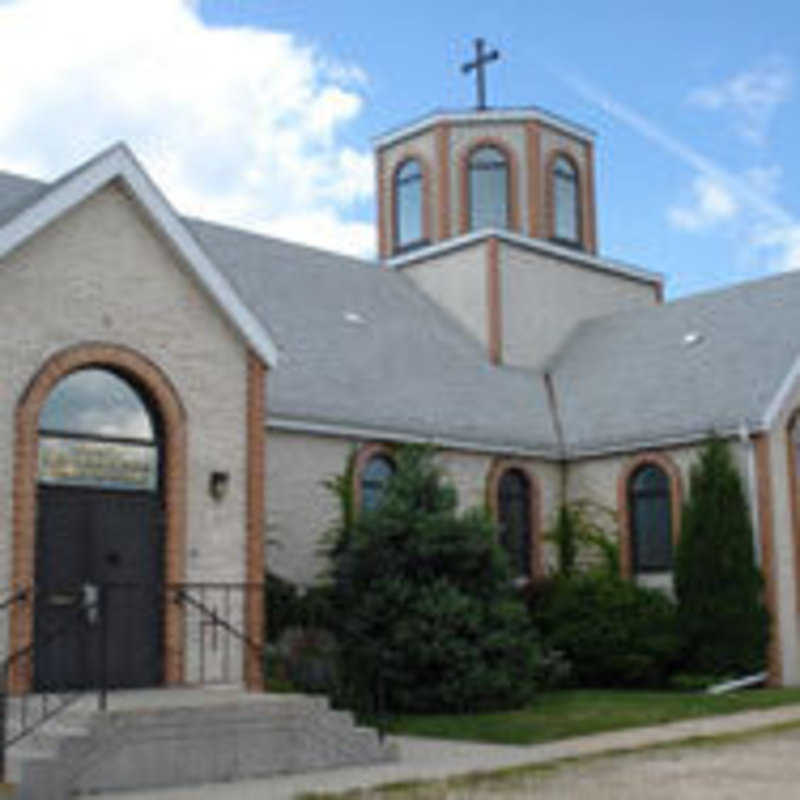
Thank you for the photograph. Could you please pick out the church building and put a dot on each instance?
(174, 393)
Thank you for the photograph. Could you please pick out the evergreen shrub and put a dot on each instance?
(427, 618)
(723, 622)
(612, 632)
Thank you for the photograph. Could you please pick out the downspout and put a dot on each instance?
(749, 451)
(552, 401)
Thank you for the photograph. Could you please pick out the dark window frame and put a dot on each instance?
(399, 246)
(662, 493)
(470, 167)
(524, 547)
(574, 177)
(365, 489)
(155, 441)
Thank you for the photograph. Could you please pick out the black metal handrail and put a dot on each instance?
(213, 606)
(185, 595)
(36, 708)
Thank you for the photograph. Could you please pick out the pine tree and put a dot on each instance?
(722, 619)
(426, 615)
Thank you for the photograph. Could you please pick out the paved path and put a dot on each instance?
(433, 758)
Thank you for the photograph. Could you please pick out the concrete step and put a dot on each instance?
(164, 738)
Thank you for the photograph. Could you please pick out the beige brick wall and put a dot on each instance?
(597, 479)
(300, 509)
(542, 298)
(457, 282)
(101, 273)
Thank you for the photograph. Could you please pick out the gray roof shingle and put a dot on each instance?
(633, 377)
(17, 193)
(406, 368)
(621, 381)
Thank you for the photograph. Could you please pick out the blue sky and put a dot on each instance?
(651, 57)
(261, 113)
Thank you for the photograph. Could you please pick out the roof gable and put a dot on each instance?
(36, 210)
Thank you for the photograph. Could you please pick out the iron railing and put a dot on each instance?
(213, 644)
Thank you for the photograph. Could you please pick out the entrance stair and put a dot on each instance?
(180, 737)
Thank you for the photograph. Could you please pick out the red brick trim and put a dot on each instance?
(794, 504)
(383, 223)
(672, 472)
(254, 536)
(513, 180)
(497, 468)
(165, 399)
(588, 204)
(494, 318)
(533, 141)
(768, 564)
(550, 202)
(364, 453)
(443, 180)
(410, 155)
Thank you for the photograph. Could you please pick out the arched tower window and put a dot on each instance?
(375, 478)
(488, 194)
(513, 516)
(651, 519)
(566, 207)
(408, 205)
(96, 430)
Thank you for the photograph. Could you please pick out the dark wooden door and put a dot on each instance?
(98, 613)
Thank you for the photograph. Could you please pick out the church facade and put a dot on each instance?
(175, 393)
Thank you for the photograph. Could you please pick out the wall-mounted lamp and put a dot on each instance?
(218, 483)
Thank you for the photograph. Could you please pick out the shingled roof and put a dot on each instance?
(361, 348)
(709, 362)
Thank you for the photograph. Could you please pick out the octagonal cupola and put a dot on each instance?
(456, 172)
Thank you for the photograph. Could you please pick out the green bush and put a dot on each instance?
(426, 615)
(612, 632)
(723, 622)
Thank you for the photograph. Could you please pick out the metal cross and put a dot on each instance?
(481, 59)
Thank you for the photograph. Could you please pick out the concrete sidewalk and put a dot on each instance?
(429, 759)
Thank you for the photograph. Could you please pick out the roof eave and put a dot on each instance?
(119, 163)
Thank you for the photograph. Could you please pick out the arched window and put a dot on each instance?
(651, 519)
(566, 208)
(408, 205)
(96, 430)
(375, 478)
(488, 189)
(514, 519)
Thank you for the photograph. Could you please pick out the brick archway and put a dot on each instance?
(496, 471)
(670, 468)
(160, 392)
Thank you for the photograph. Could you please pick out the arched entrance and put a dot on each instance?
(99, 538)
(124, 460)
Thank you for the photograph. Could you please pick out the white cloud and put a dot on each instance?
(752, 96)
(235, 124)
(779, 244)
(770, 230)
(711, 203)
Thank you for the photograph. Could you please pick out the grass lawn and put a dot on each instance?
(560, 714)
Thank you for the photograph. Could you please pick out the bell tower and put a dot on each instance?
(491, 211)
(453, 173)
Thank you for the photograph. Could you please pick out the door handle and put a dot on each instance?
(62, 599)
(90, 602)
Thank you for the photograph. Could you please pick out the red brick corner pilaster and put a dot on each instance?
(256, 509)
